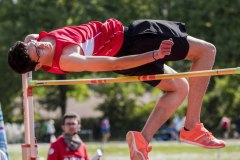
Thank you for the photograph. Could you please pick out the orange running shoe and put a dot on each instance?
(138, 146)
(200, 136)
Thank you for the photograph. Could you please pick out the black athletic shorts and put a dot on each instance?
(146, 35)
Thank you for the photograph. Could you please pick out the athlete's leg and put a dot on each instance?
(175, 91)
(202, 54)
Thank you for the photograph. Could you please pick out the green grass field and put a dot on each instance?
(161, 151)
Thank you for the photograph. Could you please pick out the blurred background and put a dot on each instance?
(127, 105)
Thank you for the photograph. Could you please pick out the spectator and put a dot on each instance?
(225, 125)
(49, 131)
(178, 123)
(167, 132)
(69, 145)
(105, 128)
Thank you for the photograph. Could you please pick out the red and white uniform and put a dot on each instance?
(59, 151)
(94, 38)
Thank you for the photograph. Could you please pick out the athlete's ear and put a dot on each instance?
(38, 66)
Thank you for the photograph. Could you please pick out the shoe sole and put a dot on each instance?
(132, 146)
(200, 145)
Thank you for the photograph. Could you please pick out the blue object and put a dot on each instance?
(3, 138)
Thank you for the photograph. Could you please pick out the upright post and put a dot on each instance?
(29, 149)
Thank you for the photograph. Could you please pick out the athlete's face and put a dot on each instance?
(33, 50)
(38, 49)
(71, 126)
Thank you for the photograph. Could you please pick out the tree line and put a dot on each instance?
(213, 21)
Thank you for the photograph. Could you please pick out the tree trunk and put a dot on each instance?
(62, 94)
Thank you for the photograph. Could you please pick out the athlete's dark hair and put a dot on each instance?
(19, 60)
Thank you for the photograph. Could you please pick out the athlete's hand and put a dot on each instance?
(164, 49)
(30, 37)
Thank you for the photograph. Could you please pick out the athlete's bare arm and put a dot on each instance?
(72, 61)
(30, 37)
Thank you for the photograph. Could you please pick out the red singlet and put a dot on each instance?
(94, 38)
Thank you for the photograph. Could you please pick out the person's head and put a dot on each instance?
(71, 123)
(19, 59)
(25, 57)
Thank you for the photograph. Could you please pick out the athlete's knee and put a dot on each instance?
(210, 51)
(205, 50)
(201, 50)
(183, 87)
(208, 55)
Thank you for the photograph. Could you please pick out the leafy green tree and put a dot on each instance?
(210, 20)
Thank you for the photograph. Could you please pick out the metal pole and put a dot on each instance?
(33, 146)
(29, 151)
(25, 149)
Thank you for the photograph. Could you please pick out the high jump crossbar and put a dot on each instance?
(226, 71)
